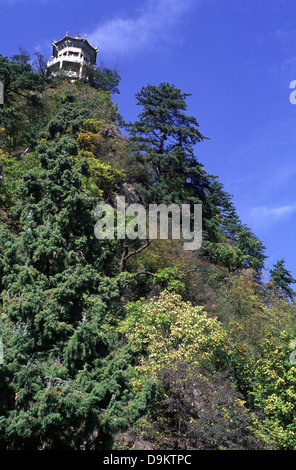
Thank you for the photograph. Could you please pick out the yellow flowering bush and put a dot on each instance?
(167, 331)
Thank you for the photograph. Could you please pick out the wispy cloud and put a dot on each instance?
(13, 2)
(153, 23)
(263, 214)
(16, 3)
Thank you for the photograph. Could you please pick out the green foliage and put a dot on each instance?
(167, 278)
(168, 330)
(12, 171)
(251, 247)
(163, 140)
(245, 250)
(19, 78)
(226, 255)
(22, 116)
(106, 79)
(270, 384)
(59, 308)
(111, 343)
(282, 278)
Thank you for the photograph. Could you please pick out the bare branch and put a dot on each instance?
(147, 273)
(126, 255)
(187, 272)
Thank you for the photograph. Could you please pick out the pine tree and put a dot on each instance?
(163, 142)
(163, 139)
(282, 278)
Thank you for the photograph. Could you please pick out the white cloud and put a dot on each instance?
(124, 36)
(270, 214)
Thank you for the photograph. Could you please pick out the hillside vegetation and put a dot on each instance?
(129, 343)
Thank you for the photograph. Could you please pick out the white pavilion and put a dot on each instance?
(73, 56)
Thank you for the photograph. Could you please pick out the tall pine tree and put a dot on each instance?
(282, 279)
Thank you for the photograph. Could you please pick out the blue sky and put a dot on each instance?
(236, 57)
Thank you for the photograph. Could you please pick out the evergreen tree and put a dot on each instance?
(164, 137)
(252, 249)
(163, 141)
(65, 381)
(22, 116)
(19, 78)
(106, 79)
(282, 279)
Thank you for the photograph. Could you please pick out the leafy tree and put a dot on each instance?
(226, 255)
(242, 250)
(228, 218)
(102, 145)
(168, 330)
(269, 383)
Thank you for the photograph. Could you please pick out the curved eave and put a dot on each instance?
(79, 40)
